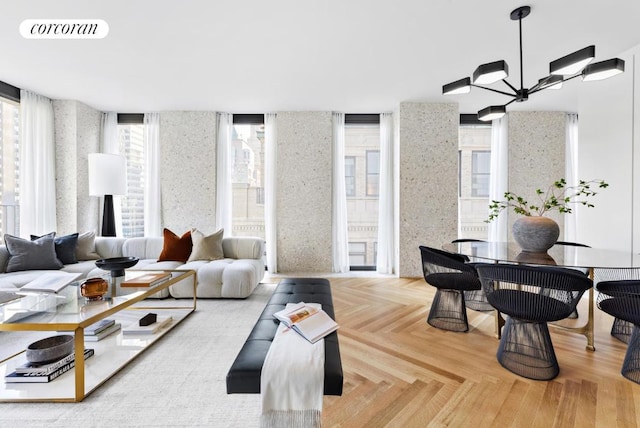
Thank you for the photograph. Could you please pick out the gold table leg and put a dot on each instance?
(79, 363)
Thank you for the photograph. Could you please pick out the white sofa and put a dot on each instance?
(235, 276)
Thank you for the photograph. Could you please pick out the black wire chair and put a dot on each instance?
(452, 276)
(620, 329)
(474, 299)
(574, 314)
(531, 296)
(621, 299)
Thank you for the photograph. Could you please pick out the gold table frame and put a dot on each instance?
(117, 304)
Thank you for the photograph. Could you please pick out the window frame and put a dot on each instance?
(11, 95)
(361, 119)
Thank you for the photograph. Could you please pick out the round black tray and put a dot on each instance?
(117, 265)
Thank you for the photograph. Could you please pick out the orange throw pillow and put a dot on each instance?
(174, 247)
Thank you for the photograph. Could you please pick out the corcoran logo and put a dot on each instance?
(64, 29)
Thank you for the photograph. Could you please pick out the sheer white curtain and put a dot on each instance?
(571, 172)
(386, 250)
(270, 208)
(223, 173)
(340, 237)
(152, 201)
(110, 144)
(499, 177)
(37, 165)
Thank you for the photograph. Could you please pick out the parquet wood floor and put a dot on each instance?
(401, 372)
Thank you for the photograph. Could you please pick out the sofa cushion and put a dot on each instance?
(86, 249)
(31, 255)
(174, 247)
(206, 247)
(65, 247)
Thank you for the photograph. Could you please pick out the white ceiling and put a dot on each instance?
(246, 56)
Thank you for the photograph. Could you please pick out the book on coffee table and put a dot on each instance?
(146, 280)
(102, 333)
(41, 377)
(50, 282)
(98, 326)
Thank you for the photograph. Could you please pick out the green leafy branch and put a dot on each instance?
(558, 196)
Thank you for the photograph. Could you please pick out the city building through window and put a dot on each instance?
(131, 145)
(362, 177)
(247, 176)
(9, 166)
(473, 173)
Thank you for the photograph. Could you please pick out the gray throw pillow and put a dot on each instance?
(86, 248)
(65, 248)
(31, 255)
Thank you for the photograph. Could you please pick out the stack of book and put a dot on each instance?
(100, 330)
(42, 373)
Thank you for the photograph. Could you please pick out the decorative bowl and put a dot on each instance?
(94, 288)
(116, 265)
(50, 349)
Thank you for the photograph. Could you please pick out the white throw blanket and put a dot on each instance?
(292, 381)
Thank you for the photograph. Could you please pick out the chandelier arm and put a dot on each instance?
(515, 99)
(537, 87)
(494, 90)
(515, 91)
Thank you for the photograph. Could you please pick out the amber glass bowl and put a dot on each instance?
(94, 288)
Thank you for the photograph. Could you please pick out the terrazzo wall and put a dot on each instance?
(428, 189)
(304, 206)
(77, 133)
(427, 156)
(536, 155)
(188, 170)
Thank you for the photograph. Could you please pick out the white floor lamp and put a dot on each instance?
(107, 177)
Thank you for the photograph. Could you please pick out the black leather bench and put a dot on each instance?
(244, 375)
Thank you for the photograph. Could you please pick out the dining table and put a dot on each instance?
(589, 259)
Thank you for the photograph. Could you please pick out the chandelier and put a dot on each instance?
(561, 70)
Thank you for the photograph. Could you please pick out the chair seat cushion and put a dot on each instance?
(529, 306)
(625, 308)
(453, 281)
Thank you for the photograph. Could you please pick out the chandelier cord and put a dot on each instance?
(521, 66)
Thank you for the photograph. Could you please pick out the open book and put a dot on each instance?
(308, 320)
(50, 282)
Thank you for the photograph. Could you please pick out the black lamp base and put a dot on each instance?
(108, 217)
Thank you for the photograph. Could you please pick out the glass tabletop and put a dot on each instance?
(68, 308)
(558, 255)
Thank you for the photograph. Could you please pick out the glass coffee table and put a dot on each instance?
(67, 312)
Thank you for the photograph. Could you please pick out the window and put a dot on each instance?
(247, 177)
(131, 145)
(350, 175)
(9, 166)
(373, 172)
(480, 167)
(357, 253)
(362, 171)
(474, 160)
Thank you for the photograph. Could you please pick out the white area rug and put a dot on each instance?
(178, 382)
